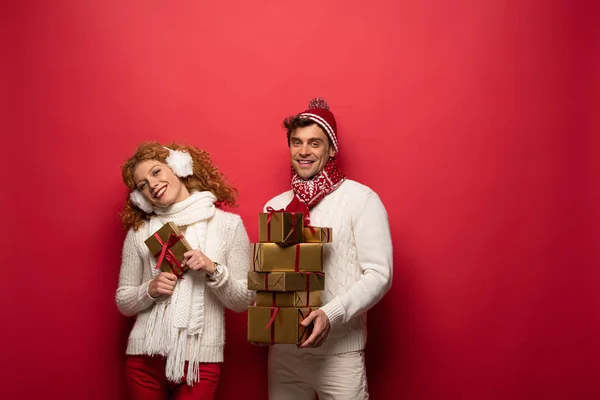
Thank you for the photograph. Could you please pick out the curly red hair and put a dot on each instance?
(205, 177)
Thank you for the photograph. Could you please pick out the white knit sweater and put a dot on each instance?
(227, 243)
(358, 263)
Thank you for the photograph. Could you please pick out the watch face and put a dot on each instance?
(218, 269)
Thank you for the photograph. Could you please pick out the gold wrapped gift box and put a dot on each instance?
(315, 234)
(269, 257)
(288, 299)
(277, 325)
(280, 227)
(169, 236)
(286, 281)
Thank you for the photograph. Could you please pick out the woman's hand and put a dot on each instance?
(162, 284)
(197, 260)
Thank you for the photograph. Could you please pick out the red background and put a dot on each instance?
(473, 120)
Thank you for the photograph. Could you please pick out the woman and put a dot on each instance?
(176, 344)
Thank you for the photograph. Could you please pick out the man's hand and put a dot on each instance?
(320, 331)
(162, 284)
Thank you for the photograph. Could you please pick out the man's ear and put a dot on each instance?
(332, 151)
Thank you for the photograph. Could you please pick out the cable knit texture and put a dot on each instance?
(174, 326)
(358, 263)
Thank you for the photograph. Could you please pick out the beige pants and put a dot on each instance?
(295, 375)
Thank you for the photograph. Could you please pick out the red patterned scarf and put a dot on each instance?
(307, 193)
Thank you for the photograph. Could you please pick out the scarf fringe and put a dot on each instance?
(175, 368)
(175, 344)
(157, 342)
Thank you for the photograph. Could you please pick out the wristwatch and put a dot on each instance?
(217, 273)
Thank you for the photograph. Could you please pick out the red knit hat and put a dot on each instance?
(318, 111)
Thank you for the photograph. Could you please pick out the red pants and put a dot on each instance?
(145, 376)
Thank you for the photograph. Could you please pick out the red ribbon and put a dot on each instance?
(167, 254)
(307, 287)
(270, 212)
(307, 275)
(267, 281)
(274, 311)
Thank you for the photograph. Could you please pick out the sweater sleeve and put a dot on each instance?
(373, 242)
(132, 294)
(231, 287)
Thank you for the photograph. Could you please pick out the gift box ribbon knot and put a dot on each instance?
(166, 253)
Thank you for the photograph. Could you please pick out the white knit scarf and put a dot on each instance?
(175, 325)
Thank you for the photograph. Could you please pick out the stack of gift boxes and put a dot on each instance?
(286, 271)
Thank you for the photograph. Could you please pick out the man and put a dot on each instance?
(358, 265)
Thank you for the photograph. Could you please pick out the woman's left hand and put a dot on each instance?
(198, 261)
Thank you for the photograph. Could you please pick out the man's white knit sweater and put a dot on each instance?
(227, 243)
(358, 263)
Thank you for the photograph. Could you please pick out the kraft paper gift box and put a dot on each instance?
(280, 227)
(167, 245)
(269, 257)
(286, 281)
(278, 325)
(316, 234)
(288, 299)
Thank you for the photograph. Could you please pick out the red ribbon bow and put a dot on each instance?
(271, 211)
(167, 254)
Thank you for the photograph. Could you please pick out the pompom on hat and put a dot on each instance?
(318, 111)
